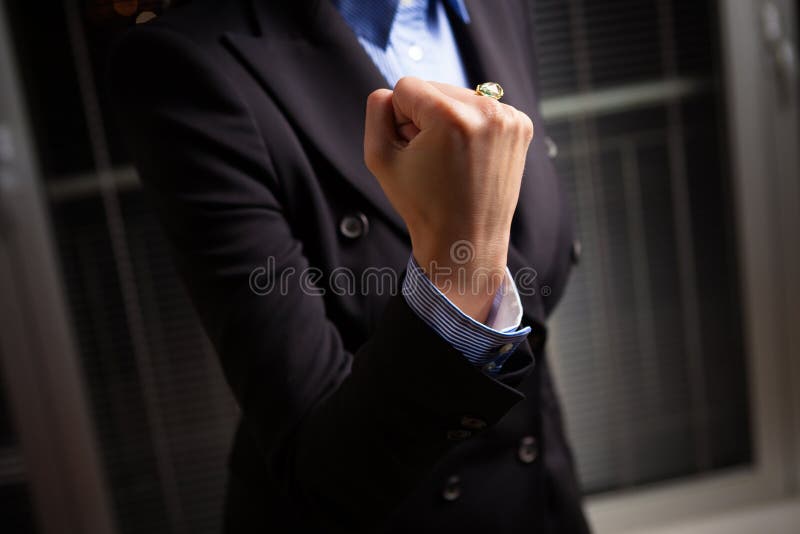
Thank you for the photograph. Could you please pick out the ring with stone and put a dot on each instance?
(490, 89)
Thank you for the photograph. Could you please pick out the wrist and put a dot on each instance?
(468, 272)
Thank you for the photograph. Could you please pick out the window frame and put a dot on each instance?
(57, 450)
(762, 136)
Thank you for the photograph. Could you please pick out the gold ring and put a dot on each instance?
(490, 89)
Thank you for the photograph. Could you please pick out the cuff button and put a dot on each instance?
(508, 347)
(473, 423)
(458, 435)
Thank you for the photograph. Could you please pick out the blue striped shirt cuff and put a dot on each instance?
(482, 345)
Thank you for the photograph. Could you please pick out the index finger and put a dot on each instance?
(420, 103)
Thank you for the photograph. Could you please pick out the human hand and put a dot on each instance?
(451, 164)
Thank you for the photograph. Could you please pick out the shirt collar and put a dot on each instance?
(372, 19)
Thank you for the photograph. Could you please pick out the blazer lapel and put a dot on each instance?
(310, 62)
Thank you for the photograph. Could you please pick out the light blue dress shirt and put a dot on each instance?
(408, 37)
(414, 38)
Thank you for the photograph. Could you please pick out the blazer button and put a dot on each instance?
(575, 253)
(354, 225)
(552, 147)
(528, 450)
(452, 489)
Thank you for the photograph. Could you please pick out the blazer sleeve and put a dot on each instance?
(333, 426)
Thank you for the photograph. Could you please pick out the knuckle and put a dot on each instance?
(492, 111)
(526, 125)
(466, 126)
(403, 84)
(498, 117)
(509, 116)
(377, 96)
(442, 109)
(453, 116)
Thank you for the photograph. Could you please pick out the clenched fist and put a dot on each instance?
(451, 164)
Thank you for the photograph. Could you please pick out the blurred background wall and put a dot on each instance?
(673, 124)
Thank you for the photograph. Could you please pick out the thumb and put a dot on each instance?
(380, 134)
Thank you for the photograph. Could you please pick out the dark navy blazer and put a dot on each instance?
(245, 120)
